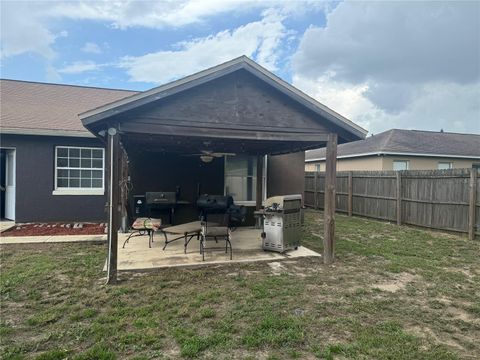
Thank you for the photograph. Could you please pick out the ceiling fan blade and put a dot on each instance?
(220, 154)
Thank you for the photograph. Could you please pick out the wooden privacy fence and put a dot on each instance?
(437, 199)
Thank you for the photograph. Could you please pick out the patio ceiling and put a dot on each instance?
(154, 143)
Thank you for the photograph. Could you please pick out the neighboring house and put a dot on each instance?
(55, 168)
(398, 149)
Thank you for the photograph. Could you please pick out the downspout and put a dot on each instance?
(111, 133)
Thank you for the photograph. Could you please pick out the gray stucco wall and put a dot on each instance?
(35, 160)
(286, 174)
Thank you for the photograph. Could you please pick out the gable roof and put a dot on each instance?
(97, 114)
(407, 142)
(32, 108)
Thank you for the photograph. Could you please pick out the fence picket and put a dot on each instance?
(438, 199)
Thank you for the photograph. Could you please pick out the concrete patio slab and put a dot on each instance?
(246, 244)
(6, 224)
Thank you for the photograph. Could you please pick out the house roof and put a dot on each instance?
(100, 113)
(407, 142)
(32, 108)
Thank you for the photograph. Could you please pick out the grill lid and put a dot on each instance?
(161, 198)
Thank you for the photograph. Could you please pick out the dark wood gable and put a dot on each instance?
(237, 102)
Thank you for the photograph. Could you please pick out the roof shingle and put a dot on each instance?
(408, 142)
(55, 107)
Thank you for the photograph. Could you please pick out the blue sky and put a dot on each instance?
(382, 64)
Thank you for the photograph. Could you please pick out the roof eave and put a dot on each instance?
(46, 132)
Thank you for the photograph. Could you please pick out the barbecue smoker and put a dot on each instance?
(282, 223)
(224, 205)
(162, 200)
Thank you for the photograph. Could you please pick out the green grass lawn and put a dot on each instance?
(393, 293)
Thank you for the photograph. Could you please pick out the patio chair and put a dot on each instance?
(144, 226)
(220, 232)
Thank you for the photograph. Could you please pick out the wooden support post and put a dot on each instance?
(259, 197)
(329, 207)
(114, 212)
(350, 194)
(399, 198)
(315, 191)
(472, 204)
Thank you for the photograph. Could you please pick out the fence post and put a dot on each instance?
(350, 194)
(399, 197)
(315, 197)
(472, 204)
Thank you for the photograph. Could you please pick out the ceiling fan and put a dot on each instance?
(207, 155)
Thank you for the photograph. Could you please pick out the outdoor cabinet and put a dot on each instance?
(139, 206)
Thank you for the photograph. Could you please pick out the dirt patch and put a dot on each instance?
(426, 332)
(461, 315)
(42, 229)
(277, 268)
(398, 283)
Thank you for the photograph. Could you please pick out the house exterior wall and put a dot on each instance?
(151, 171)
(425, 163)
(286, 174)
(378, 163)
(35, 181)
(354, 164)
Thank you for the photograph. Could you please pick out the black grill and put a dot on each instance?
(161, 199)
(214, 204)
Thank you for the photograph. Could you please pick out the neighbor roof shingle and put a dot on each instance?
(408, 142)
(54, 107)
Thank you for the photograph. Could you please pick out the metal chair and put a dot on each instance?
(216, 233)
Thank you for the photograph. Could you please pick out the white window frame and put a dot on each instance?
(79, 190)
(264, 182)
(407, 162)
(450, 165)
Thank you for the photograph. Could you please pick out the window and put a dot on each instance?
(79, 170)
(317, 167)
(400, 165)
(241, 178)
(445, 165)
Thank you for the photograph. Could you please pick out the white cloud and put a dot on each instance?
(396, 64)
(92, 48)
(25, 25)
(78, 67)
(395, 41)
(22, 31)
(174, 13)
(437, 105)
(259, 39)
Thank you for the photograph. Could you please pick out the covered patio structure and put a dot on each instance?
(234, 129)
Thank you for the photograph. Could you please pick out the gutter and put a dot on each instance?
(46, 132)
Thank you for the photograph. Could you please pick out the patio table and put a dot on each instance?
(185, 231)
(142, 226)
